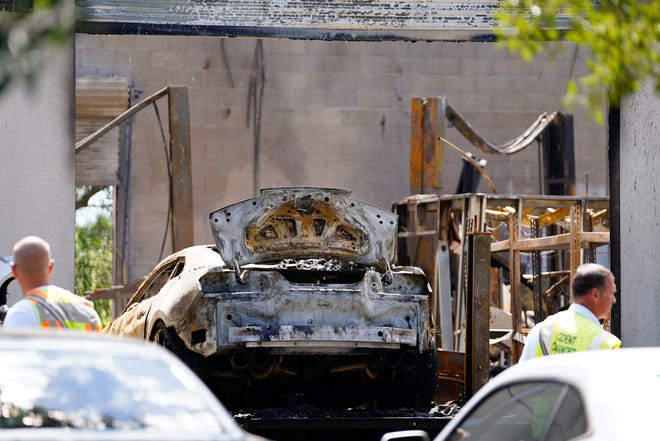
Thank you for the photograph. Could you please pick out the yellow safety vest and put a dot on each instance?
(568, 331)
(59, 308)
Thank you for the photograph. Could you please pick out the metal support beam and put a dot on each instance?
(536, 270)
(614, 156)
(478, 312)
(514, 278)
(182, 209)
(426, 150)
(575, 251)
(558, 158)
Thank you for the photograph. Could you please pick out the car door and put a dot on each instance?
(132, 321)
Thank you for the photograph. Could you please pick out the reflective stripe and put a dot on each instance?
(62, 309)
(569, 331)
(47, 317)
(546, 334)
(605, 340)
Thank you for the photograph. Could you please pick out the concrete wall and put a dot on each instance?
(640, 219)
(37, 162)
(334, 114)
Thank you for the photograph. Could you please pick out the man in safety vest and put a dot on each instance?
(577, 328)
(44, 304)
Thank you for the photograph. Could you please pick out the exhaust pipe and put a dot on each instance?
(262, 365)
(409, 359)
(391, 359)
(260, 359)
(369, 368)
(240, 361)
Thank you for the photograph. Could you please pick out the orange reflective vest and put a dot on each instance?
(59, 308)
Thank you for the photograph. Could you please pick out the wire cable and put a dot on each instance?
(471, 160)
(507, 148)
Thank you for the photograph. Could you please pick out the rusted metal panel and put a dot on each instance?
(416, 146)
(451, 376)
(312, 336)
(98, 97)
(433, 125)
(478, 302)
(367, 20)
(182, 204)
(426, 150)
(98, 165)
(98, 100)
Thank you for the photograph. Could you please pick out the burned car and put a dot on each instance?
(297, 300)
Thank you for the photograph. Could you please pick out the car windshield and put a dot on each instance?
(97, 391)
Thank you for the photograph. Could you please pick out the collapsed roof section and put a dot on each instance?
(356, 20)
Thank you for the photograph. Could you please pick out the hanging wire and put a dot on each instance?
(471, 160)
(507, 148)
(226, 61)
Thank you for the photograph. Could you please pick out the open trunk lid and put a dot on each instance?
(304, 223)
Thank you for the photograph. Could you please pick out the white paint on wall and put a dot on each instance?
(640, 219)
(37, 194)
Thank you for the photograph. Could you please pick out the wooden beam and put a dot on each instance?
(556, 242)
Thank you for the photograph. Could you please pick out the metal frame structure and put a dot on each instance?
(465, 243)
(179, 174)
(179, 155)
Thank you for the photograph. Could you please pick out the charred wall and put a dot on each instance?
(331, 114)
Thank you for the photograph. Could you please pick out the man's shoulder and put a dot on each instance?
(21, 315)
(55, 292)
(552, 318)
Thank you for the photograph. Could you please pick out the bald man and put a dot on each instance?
(45, 305)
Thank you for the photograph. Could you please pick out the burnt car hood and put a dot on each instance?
(304, 223)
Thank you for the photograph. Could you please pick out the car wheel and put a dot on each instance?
(168, 339)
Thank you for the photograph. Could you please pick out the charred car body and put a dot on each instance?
(298, 298)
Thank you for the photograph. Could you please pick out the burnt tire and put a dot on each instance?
(167, 338)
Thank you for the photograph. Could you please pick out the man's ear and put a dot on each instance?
(51, 262)
(13, 270)
(595, 292)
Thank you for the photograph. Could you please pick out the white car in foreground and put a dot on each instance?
(593, 395)
(75, 386)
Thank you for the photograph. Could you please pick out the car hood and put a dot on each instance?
(304, 223)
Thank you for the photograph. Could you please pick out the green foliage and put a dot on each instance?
(622, 36)
(26, 29)
(93, 262)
